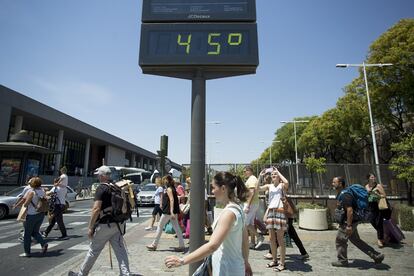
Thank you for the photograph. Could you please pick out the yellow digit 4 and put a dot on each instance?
(234, 39)
(185, 43)
(210, 37)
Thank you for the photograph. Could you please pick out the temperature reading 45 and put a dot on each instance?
(214, 40)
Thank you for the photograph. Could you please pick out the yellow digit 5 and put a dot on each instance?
(210, 37)
(185, 43)
(238, 38)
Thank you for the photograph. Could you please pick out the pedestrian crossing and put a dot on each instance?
(10, 231)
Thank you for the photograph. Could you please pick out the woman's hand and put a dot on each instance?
(173, 261)
(263, 172)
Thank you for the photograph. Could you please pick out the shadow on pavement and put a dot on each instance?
(51, 253)
(364, 264)
(297, 265)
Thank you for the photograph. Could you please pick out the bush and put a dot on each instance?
(405, 216)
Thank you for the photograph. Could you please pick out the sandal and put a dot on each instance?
(151, 247)
(279, 268)
(272, 264)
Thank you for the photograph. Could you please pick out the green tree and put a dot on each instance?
(403, 163)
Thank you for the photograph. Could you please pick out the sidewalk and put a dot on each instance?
(320, 245)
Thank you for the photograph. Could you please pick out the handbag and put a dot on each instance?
(205, 268)
(382, 203)
(42, 205)
(289, 206)
(22, 214)
(184, 208)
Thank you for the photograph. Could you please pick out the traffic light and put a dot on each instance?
(164, 145)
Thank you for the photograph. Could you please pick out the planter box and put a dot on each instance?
(313, 219)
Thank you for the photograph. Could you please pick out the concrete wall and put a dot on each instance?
(114, 156)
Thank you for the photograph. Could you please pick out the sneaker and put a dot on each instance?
(252, 246)
(304, 257)
(27, 255)
(21, 239)
(260, 241)
(340, 264)
(44, 234)
(149, 228)
(64, 237)
(379, 258)
(71, 273)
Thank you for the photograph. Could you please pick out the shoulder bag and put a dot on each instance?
(288, 205)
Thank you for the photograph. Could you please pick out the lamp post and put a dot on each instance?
(296, 144)
(374, 142)
(277, 141)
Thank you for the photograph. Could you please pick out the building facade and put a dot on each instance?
(82, 147)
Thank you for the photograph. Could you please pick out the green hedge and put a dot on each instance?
(405, 216)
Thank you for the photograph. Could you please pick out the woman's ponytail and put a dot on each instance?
(241, 189)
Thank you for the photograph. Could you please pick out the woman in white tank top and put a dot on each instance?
(228, 244)
(275, 217)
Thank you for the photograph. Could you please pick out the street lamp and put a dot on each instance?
(374, 142)
(277, 141)
(296, 144)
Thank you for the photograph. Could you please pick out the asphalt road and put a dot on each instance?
(76, 221)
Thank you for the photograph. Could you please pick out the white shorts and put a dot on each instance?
(251, 215)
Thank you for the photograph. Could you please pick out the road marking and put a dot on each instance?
(4, 222)
(77, 223)
(6, 245)
(82, 247)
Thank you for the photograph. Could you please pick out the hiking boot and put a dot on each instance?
(378, 258)
(340, 264)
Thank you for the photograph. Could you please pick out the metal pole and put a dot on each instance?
(374, 143)
(296, 154)
(271, 154)
(198, 160)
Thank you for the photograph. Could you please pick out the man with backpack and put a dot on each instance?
(108, 216)
(348, 215)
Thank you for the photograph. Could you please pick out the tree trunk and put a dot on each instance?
(409, 193)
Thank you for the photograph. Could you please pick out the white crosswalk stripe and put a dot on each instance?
(6, 245)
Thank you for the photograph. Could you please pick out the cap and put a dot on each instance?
(103, 170)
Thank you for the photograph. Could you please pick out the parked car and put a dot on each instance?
(147, 195)
(8, 199)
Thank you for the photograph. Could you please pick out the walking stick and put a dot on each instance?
(110, 255)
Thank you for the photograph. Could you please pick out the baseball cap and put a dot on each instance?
(103, 170)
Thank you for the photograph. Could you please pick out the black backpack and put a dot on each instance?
(120, 209)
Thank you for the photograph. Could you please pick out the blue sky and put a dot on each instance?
(81, 57)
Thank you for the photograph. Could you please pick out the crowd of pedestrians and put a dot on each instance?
(234, 232)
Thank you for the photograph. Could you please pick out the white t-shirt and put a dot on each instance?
(63, 179)
(275, 194)
(23, 193)
(158, 192)
(228, 258)
(61, 194)
(38, 193)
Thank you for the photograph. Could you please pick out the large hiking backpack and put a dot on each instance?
(361, 212)
(120, 209)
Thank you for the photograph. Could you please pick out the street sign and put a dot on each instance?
(198, 10)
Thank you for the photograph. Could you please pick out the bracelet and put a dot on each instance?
(181, 261)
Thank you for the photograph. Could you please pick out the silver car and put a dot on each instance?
(7, 200)
(147, 195)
